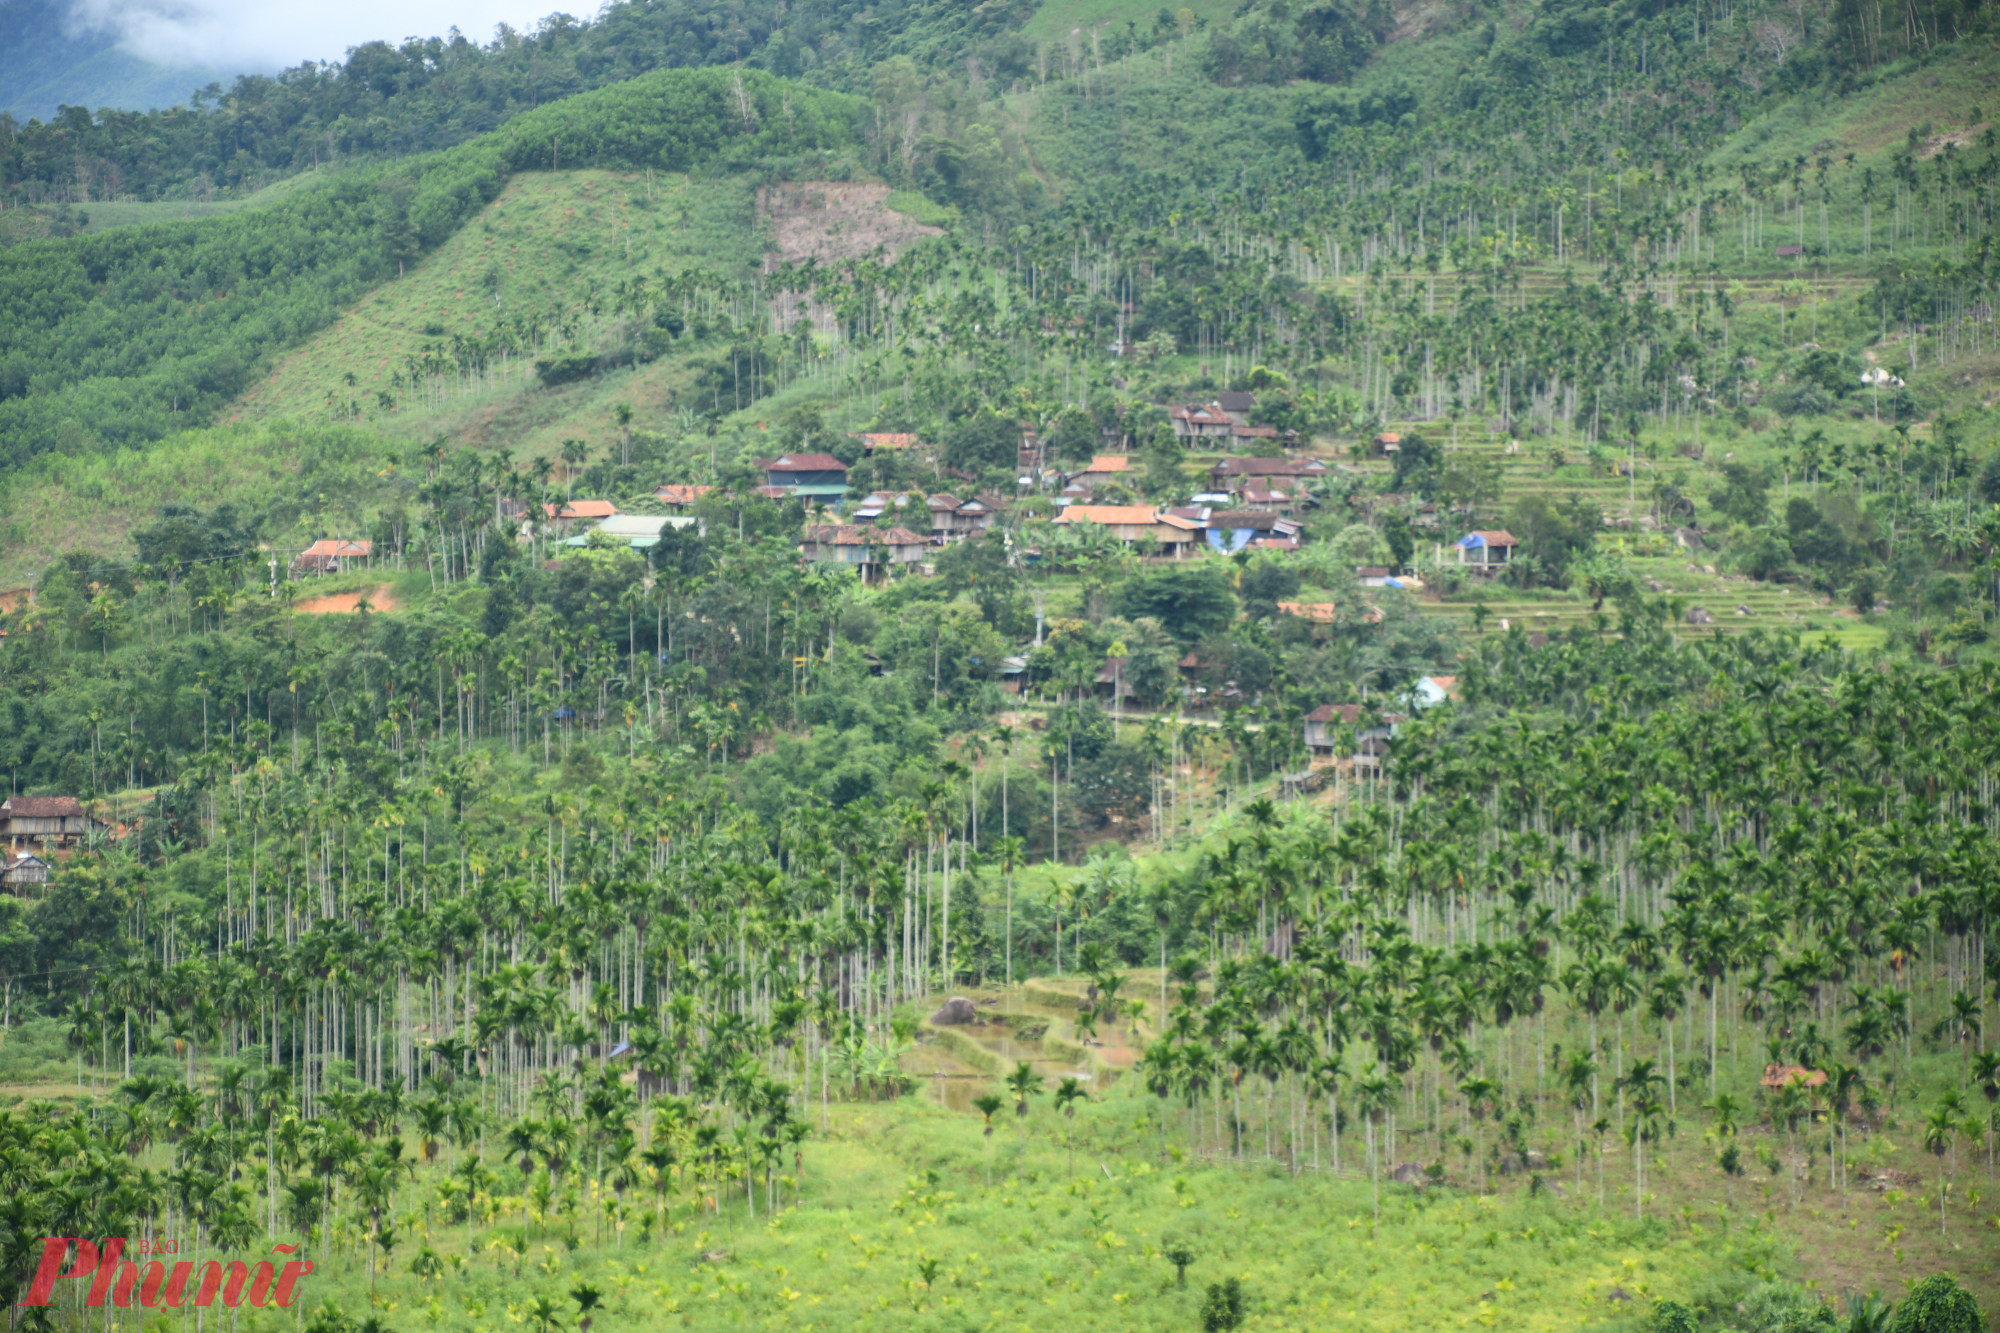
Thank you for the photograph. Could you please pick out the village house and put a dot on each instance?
(1265, 500)
(871, 551)
(1231, 530)
(805, 476)
(1112, 687)
(1323, 725)
(1237, 404)
(1325, 613)
(23, 868)
(1318, 613)
(873, 440)
(875, 504)
(953, 519)
(1200, 424)
(1103, 468)
(1430, 691)
(1485, 551)
(640, 531)
(573, 510)
(59, 821)
(1134, 524)
(1232, 475)
(1013, 674)
(1377, 576)
(330, 556)
(677, 496)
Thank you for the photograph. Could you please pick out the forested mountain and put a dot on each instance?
(45, 65)
(986, 666)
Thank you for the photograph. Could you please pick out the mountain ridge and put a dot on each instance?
(45, 66)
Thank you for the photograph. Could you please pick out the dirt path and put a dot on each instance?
(379, 599)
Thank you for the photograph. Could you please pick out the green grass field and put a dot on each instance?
(547, 241)
(907, 1215)
(1956, 91)
(1055, 21)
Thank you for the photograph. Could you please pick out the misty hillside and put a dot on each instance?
(43, 66)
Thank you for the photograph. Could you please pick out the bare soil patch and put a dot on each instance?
(379, 599)
(1964, 138)
(834, 220)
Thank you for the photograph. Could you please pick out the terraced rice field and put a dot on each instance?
(1035, 1023)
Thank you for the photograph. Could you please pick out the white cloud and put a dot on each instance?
(261, 35)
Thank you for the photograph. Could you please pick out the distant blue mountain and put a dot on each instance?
(43, 67)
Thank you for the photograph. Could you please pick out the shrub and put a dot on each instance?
(1938, 1305)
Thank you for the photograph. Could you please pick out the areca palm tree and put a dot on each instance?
(1647, 1117)
(1024, 1083)
(1481, 1098)
(1068, 1093)
(1374, 1094)
(987, 1104)
(1578, 1075)
(1939, 1127)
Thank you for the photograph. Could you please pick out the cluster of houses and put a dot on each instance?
(1250, 503)
(1221, 423)
(32, 827)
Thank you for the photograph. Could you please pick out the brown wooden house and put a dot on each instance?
(59, 821)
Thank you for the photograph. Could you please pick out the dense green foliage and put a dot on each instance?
(122, 337)
(521, 817)
(428, 94)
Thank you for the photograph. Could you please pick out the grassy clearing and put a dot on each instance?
(1874, 122)
(318, 475)
(895, 1226)
(908, 1215)
(134, 213)
(541, 247)
(1054, 22)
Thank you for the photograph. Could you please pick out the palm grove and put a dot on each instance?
(398, 923)
(561, 907)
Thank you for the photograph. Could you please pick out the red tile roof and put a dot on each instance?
(1319, 612)
(42, 807)
(1781, 1076)
(675, 493)
(582, 509)
(847, 534)
(1348, 714)
(1109, 515)
(333, 548)
(800, 463)
(1269, 467)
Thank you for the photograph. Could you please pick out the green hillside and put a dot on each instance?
(548, 244)
(121, 337)
(1546, 882)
